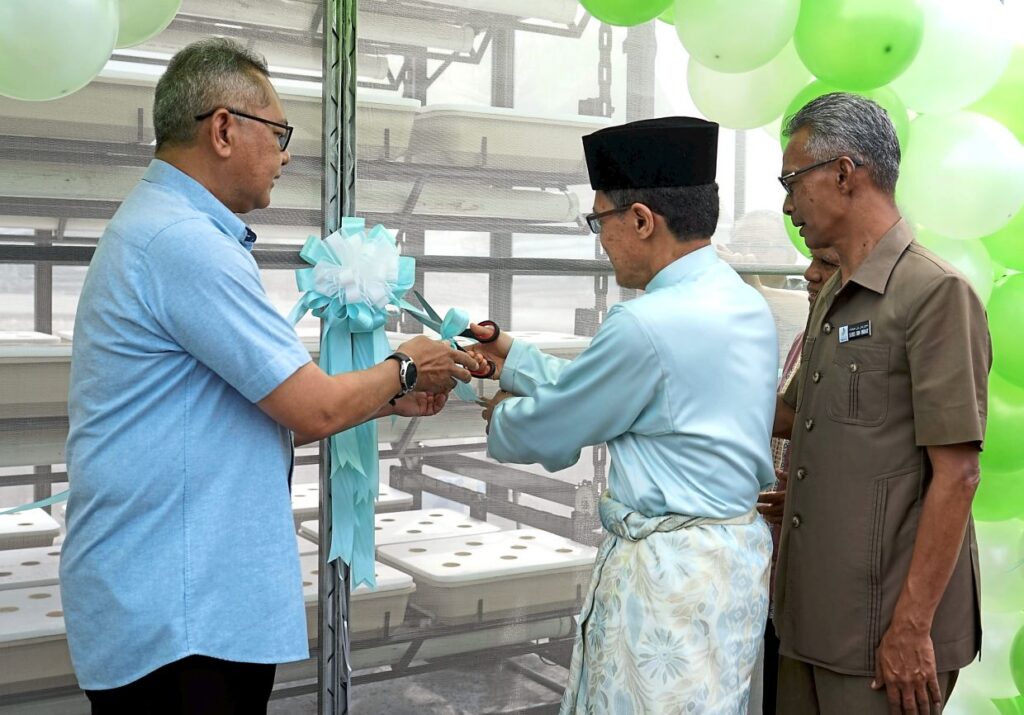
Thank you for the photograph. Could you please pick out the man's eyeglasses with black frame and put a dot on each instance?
(594, 220)
(787, 179)
(282, 139)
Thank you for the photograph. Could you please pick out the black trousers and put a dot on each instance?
(771, 668)
(197, 685)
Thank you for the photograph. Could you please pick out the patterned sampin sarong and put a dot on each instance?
(674, 616)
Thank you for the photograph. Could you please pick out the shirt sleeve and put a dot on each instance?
(950, 354)
(597, 396)
(527, 368)
(205, 291)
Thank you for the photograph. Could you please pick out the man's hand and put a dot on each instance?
(905, 667)
(496, 352)
(420, 404)
(438, 365)
(772, 504)
(488, 412)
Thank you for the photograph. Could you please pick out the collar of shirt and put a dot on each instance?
(680, 268)
(874, 272)
(164, 174)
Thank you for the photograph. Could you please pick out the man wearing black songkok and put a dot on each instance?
(680, 383)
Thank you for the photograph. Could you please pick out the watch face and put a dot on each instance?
(410, 375)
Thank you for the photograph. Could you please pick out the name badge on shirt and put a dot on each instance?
(852, 332)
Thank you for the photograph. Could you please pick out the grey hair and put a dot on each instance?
(691, 212)
(843, 124)
(207, 74)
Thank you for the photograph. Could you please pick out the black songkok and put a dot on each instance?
(669, 151)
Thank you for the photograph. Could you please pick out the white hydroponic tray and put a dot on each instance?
(27, 337)
(500, 138)
(385, 123)
(25, 529)
(372, 610)
(415, 525)
(306, 501)
(27, 568)
(32, 642)
(490, 576)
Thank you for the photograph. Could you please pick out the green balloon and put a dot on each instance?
(625, 12)
(1004, 445)
(746, 100)
(1006, 306)
(794, 235)
(669, 15)
(1006, 246)
(1000, 496)
(1017, 656)
(968, 257)
(712, 35)
(49, 50)
(859, 44)
(999, 557)
(143, 19)
(1003, 102)
(883, 96)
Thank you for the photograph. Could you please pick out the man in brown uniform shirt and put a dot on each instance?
(877, 603)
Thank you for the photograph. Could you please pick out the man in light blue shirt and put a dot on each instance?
(680, 383)
(180, 574)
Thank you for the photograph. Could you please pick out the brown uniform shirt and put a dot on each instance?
(894, 361)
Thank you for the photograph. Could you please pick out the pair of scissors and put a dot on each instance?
(433, 321)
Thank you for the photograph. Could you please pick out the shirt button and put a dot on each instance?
(816, 377)
(826, 328)
(801, 473)
(853, 367)
(796, 522)
(809, 424)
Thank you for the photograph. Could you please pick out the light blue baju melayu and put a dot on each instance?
(680, 383)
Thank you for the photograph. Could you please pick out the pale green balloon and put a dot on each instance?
(962, 175)
(966, 48)
(735, 35)
(999, 554)
(969, 257)
(1003, 103)
(143, 19)
(50, 48)
(746, 100)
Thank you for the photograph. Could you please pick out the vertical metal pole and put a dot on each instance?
(42, 315)
(740, 188)
(338, 200)
(503, 66)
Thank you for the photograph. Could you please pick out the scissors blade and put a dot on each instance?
(427, 307)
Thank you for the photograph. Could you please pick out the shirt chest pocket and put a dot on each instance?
(860, 385)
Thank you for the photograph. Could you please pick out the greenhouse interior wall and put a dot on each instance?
(467, 126)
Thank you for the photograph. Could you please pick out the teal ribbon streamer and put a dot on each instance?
(454, 324)
(48, 501)
(352, 338)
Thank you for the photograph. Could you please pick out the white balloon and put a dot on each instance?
(735, 35)
(966, 47)
(51, 49)
(962, 175)
(746, 100)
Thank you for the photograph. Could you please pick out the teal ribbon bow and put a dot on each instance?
(355, 275)
(454, 323)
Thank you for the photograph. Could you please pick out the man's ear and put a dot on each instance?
(845, 175)
(643, 220)
(220, 133)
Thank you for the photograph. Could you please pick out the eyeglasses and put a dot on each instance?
(594, 220)
(787, 179)
(282, 139)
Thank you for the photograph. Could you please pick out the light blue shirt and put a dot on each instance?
(180, 535)
(679, 382)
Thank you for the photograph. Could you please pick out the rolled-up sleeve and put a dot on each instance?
(950, 354)
(593, 399)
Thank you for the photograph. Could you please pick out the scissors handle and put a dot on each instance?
(487, 324)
